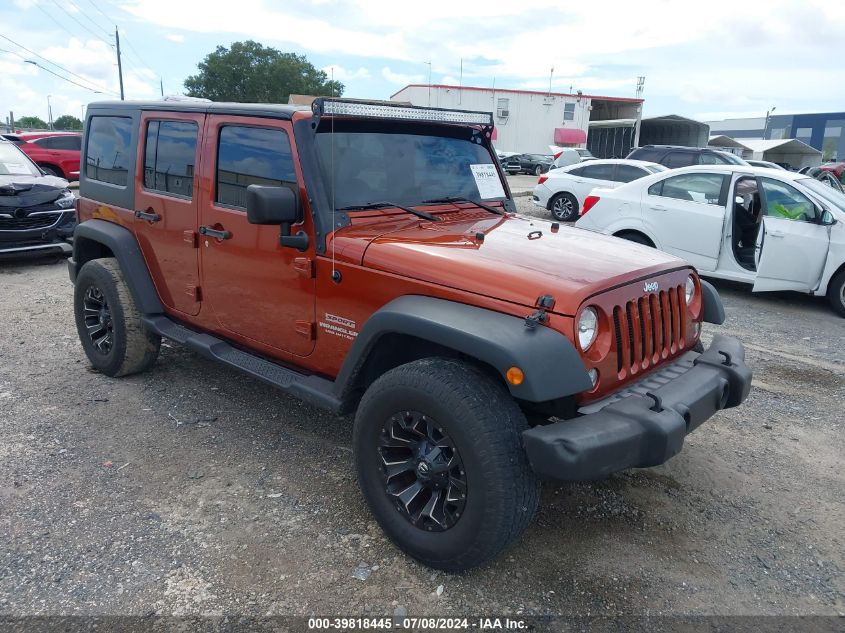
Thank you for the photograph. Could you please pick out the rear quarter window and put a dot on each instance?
(109, 152)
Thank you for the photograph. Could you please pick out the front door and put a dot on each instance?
(687, 213)
(258, 290)
(791, 245)
(166, 205)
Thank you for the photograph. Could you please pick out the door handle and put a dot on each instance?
(146, 215)
(777, 233)
(220, 235)
(658, 208)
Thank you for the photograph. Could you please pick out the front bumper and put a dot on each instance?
(646, 427)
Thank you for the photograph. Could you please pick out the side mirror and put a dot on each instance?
(276, 205)
(827, 218)
(272, 205)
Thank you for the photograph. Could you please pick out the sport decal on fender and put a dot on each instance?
(339, 326)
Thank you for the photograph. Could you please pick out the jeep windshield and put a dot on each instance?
(366, 162)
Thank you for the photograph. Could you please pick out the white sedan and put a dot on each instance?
(774, 229)
(562, 191)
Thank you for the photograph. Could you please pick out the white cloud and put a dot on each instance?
(175, 37)
(400, 78)
(342, 74)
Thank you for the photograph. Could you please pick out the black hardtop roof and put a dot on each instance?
(273, 110)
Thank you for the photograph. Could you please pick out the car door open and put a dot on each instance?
(792, 245)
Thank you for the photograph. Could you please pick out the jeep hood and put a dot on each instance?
(515, 259)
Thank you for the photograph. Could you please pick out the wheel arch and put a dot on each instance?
(413, 326)
(95, 239)
(54, 166)
(619, 232)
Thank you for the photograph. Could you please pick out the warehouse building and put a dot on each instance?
(528, 121)
(822, 131)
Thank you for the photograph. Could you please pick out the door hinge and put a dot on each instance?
(306, 329)
(304, 266)
(191, 238)
(195, 292)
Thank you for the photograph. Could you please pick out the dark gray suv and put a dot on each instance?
(673, 156)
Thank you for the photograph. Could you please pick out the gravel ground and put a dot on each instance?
(193, 489)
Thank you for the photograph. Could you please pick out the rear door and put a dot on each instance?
(591, 176)
(259, 291)
(687, 213)
(791, 245)
(166, 208)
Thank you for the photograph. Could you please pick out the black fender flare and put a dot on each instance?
(122, 243)
(552, 366)
(714, 311)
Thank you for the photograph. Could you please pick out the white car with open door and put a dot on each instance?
(562, 191)
(776, 230)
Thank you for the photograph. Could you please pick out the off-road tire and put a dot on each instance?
(836, 293)
(564, 214)
(486, 426)
(134, 349)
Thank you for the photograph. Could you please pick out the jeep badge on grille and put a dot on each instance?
(650, 286)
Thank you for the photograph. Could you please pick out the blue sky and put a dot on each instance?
(705, 60)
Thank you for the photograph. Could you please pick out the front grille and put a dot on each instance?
(29, 222)
(649, 329)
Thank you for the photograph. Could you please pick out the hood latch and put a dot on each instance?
(543, 303)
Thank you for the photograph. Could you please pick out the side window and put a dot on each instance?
(169, 156)
(108, 151)
(784, 201)
(629, 173)
(68, 142)
(651, 155)
(679, 159)
(46, 143)
(712, 159)
(568, 111)
(705, 188)
(598, 172)
(578, 171)
(251, 156)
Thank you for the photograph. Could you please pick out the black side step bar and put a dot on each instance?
(313, 389)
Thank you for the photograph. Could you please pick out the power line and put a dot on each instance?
(100, 11)
(59, 24)
(65, 78)
(71, 16)
(70, 72)
(87, 17)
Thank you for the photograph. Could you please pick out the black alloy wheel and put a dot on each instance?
(98, 320)
(564, 207)
(422, 471)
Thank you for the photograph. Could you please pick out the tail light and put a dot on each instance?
(589, 203)
(558, 155)
(542, 179)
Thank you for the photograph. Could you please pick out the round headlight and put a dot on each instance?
(689, 291)
(588, 325)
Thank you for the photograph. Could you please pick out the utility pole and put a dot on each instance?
(461, 81)
(161, 85)
(551, 75)
(119, 65)
(766, 124)
(640, 89)
(429, 83)
(49, 113)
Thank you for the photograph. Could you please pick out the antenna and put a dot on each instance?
(334, 228)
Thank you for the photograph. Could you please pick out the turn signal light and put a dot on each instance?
(589, 203)
(515, 376)
(542, 179)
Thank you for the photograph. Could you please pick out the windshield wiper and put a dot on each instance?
(385, 205)
(480, 205)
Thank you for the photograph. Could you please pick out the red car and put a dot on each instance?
(837, 169)
(57, 153)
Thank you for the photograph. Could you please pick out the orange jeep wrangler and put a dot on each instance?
(366, 257)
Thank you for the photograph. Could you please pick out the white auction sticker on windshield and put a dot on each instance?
(16, 168)
(487, 181)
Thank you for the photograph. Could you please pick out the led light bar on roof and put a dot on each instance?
(402, 112)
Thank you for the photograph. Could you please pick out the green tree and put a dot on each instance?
(31, 122)
(67, 122)
(250, 72)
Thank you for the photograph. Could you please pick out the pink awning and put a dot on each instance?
(570, 136)
(495, 135)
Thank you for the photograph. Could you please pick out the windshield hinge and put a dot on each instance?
(543, 303)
